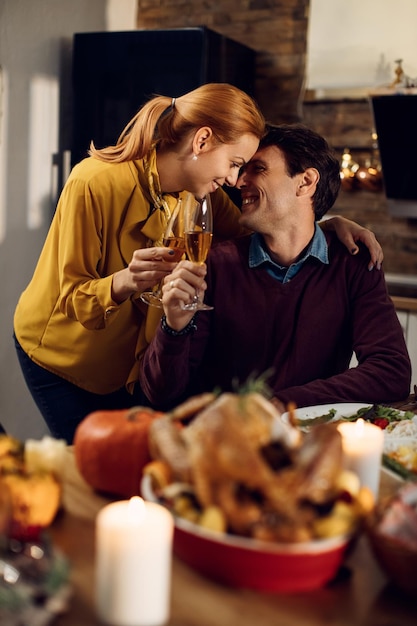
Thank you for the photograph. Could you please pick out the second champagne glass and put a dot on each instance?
(198, 232)
(173, 238)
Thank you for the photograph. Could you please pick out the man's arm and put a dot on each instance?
(349, 233)
(383, 373)
(176, 350)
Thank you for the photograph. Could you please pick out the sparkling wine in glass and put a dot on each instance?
(173, 238)
(198, 231)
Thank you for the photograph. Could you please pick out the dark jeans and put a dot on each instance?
(62, 404)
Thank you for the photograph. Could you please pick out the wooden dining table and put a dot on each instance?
(360, 595)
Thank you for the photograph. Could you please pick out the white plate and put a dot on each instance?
(342, 410)
(401, 437)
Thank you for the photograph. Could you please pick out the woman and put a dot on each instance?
(80, 326)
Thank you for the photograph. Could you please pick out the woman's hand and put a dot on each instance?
(178, 289)
(350, 232)
(147, 268)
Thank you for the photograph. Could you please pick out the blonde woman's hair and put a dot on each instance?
(227, 110)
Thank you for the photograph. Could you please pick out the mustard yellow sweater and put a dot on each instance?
(66, 320)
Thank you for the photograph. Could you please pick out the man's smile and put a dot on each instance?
(248, 200)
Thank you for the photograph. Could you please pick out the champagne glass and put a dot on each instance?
(198, 232)
(174, 239)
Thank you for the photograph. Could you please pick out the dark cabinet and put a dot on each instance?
(114, 73)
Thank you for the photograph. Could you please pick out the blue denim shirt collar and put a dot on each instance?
(258, 255)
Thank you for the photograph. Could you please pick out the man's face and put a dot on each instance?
(268, 192)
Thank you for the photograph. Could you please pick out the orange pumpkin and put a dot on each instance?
(111, 449)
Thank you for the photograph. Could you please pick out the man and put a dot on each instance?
(288, 300)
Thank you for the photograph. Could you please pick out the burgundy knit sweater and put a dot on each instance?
(304, 331)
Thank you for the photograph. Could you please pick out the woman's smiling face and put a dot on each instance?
(220, 164)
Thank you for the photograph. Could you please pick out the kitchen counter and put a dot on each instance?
(402, 303)
(403, 291)
(402, 286)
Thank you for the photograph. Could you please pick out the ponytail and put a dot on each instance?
(138, 135)
(227, 110)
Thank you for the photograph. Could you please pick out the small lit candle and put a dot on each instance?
(363, 445)
(133, 563)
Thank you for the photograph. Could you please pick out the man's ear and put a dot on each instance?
(202, 139)
(308, 181)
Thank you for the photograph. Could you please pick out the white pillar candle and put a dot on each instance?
(363, 445)
(133, 563)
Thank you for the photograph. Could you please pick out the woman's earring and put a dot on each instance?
(194, 157)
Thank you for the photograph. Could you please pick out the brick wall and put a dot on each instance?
(277, 31)
(348, 123)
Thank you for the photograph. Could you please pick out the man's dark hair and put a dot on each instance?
(304, 148)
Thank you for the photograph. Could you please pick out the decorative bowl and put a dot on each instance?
(397, 561)
(253, 564)
(392, 534)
